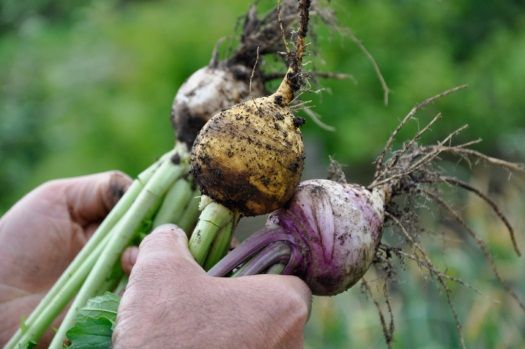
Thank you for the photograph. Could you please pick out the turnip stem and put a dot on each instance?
(174, 203)
(191, 213)
(115, 274)
(276, 269)
(42, 320)
(212, 219)
(275, 253)
(220, 246)
(121, 287)
(247, 249)
(113, 217)
(121, 236)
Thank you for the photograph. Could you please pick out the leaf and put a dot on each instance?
(105, 306)
(91, 333)
(94, 326)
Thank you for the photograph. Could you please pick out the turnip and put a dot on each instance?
(250, 156)
(330, 232)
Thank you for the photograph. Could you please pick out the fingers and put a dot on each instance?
(167, 247)
(129, 258)
(293, 293)
(90, 229)
(90, 198)
(163, 270)
(301, 290)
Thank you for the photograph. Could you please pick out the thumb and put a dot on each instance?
(166, 248)
(90, 198)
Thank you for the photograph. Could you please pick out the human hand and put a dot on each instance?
(171, 302)
(42, 233)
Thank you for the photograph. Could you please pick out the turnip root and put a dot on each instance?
(207, 91)
(250, 157)
(332, 230)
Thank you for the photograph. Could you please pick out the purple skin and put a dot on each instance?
(331, 230)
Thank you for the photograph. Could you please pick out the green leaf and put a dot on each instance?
(91, 333)
(104, 306)
(94, 326)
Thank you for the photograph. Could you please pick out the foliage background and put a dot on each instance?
(86, 86)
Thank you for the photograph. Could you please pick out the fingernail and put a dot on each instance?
(117, 186)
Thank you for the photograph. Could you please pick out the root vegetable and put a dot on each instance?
(208, 90)
(332, 230)
(250, 157)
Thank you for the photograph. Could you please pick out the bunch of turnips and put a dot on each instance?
(239, 152)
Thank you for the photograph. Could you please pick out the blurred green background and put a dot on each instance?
(87, 86)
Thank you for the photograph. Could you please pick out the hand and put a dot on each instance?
(41, 235)
(171, 302)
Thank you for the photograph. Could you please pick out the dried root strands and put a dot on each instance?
(412, 172)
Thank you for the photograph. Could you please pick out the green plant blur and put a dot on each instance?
(86, 86)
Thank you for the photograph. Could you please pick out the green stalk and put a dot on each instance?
(122, 234)
(121, 285)
(220, 246)
(265, 259)
(113, 217)
(191, 213)
(212, 219)
(174, 203)
(112, 280)
(276, 269)
(63, 296)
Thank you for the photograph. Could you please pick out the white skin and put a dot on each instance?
(169, 302)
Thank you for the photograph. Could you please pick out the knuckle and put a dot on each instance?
(162, 248)
(116, 185)
(148, 240)
(117, 178)
(116, 174)
(51, 187)
(170, 232)
(147, 274)
(298, 305)
(158, 236)
(298, 299)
